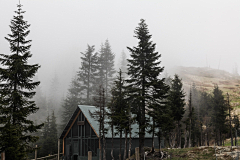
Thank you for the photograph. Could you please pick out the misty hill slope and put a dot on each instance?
(206, 78)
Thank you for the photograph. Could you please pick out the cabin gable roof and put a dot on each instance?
(95, 125)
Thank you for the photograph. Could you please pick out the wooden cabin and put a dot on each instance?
(81, 135)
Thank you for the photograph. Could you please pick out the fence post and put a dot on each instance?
(89, 155)
(36, 153)
(58, 156)
(137, 153)
(3, 155)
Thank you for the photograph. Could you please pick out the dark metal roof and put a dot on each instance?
(85, 110)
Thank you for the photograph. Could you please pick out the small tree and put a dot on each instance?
(119, 114)
(16, 90)
(106, 67)
(88, 73)
(176, 101)
(219, 115)
(70, 102)
(236, 127)
(160, 111)
(49, 139)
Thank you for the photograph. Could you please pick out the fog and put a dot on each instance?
(187, 33)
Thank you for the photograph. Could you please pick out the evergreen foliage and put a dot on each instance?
(48, 141)
(16, 90)
(176, 100)
(219, 115)
(70, 103)
(143, 70)
(88, 73)
(106, 68)
(119, 109)
(159, 110)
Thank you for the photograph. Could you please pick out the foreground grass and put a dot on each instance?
(191, 153)
(194, 153)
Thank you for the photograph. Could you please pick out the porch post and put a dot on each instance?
(58, 149)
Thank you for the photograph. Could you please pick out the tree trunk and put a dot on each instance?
(125, 148)
(189, 140)
(207, 139)
(130, 136)
(129, 143)
(100, 149)
(201, 136)
(142, 130)
(112, 142)
(220, 138)
(179, 135)
(235, 137)
(153, 129)
(230, 119)
(159, 142)
(185, 138)
(104, 148)
(120, 148)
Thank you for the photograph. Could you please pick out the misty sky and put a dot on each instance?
(187, 33)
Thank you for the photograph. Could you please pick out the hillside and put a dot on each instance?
(206, 78)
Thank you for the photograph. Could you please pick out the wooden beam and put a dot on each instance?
(63, 146)
(72, 124)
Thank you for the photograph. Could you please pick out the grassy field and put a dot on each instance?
(206, 78)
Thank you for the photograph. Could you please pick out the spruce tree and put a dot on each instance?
(69, 104)
(143, 70)
(16, 90)
(219, 115)
(88, 73)
(176, 101)
(119, 110)
(159, 110)
(106, 67)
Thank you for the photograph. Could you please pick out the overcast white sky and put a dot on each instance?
(187, 33)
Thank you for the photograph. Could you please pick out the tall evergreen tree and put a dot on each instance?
(159, 110)
(219, 115)
(106, 67)
(16, 90)
(143, 70)
(119, 108)
(88, 73)
(176, 100)
(71, 101)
